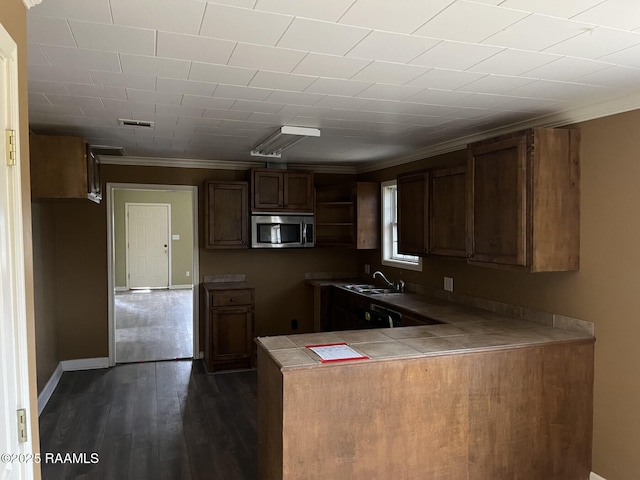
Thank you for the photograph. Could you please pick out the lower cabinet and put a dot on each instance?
(229, 326)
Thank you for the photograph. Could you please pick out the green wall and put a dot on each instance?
(181, 224)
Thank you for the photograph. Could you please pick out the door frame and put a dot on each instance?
(16, 261)
(111, 188)
(168, 240)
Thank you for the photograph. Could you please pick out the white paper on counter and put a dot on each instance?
(336, 352)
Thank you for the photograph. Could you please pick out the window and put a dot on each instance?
(390, 255)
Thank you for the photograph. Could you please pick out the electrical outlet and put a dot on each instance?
(448, 284)
(188, 274)
(367, 269)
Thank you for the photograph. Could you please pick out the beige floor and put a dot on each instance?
(153, 325)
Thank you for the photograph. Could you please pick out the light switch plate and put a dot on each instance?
(448, 284)
(175, 237)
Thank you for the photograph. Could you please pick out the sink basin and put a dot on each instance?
(370, 289)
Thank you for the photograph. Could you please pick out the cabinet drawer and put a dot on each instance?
(231, 297)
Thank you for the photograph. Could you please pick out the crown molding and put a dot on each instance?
(31, 3)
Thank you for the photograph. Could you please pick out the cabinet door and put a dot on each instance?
(298, 192)
(227, 220)
(268, 190)
(232, 334)
(413, 216)
(58, 167)
(496, 196)
(447, 209)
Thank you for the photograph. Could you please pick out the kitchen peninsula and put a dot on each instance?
(480, 396)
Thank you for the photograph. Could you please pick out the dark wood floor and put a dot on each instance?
(157, 420)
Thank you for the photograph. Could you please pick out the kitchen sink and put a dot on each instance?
(370, 289)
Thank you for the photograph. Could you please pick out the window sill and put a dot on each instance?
(404, 265)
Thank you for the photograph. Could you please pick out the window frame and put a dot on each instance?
(388, 257)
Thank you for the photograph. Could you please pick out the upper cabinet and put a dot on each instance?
(281, 191)
(523, 201)
(227, 215)
(431, 212)
(63, 167)
(348, 215)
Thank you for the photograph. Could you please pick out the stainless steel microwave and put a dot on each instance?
(282, 231)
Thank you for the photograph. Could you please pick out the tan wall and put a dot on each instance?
(13, 18)
(181, 224)
(604, 291)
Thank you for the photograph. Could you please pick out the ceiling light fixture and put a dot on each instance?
(285, 137)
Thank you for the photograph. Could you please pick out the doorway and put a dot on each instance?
(152, 266)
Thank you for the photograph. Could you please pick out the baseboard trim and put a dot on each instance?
(595, 476)
(180, 287)
(68, 366)
(49, 388)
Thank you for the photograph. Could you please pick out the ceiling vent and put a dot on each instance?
(108, 150)
(135, 123)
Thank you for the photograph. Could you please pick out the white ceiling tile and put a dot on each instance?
(226, 114)
(38, 98)
(318, 9)
(331, 66)
(389, 92)
(254, 106)
(282, 81)
(67, 57)
(438, 97)
(57, 109)
(629, 57)
(145, 96)
(40, 86)
(114, 38)
(53, 31)
(154, 66)
(526, 34)
(35, 55)
(265, 58)
(567, 69)
(242, 93)
(554, 8)
(59, 74)
(294, 98)
(344, 103)
(392, 17)
(623, 14)
(119, 80)
(512, 62)
(563, 91)
(172, 85)
(193, 47)
(460, 21)
(93, 11)
(391, 47)
(85, 90)
(205, 72)
(496, 84)
(455, 55)
(625, 78)
(75, 101)
(207, 102)
(321, 37)
(179, 110)
(444, 79)
(126, 107)
(334, 86)
(406, 108)
(242, 25)
(596, 43)
(169, 15)
(389, 73)
(266, 118)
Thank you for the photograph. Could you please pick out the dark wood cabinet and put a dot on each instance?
(227, 215)
(229, 326)
(447, 211)
(63, 168)
(413, 213)
(523, 201)
(348, 215)
(431, 212)
(281, 190)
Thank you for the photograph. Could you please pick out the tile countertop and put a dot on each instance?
(464, 329)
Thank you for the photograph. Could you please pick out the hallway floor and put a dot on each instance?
(154, 325)
(156, 420)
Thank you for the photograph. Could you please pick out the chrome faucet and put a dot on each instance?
(399, 285)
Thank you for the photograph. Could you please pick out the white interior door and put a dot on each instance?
(148, 245)
(14, 385)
